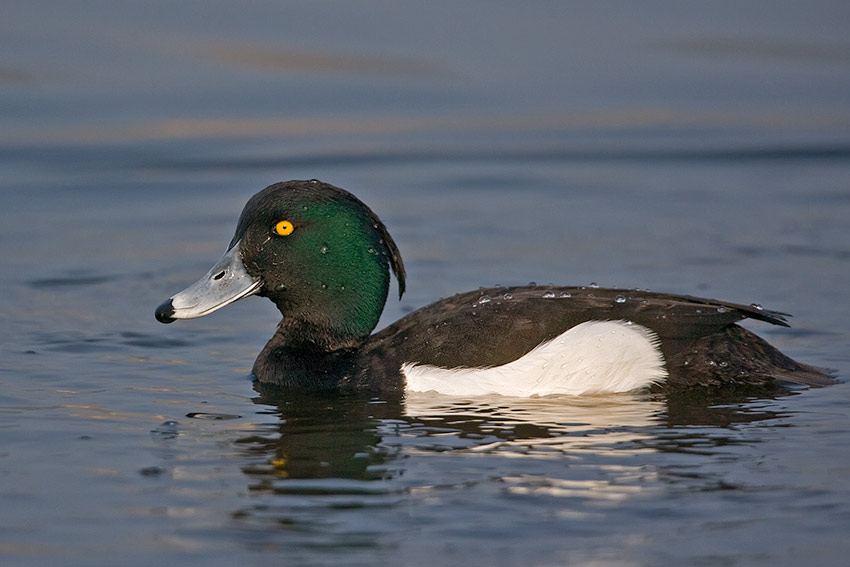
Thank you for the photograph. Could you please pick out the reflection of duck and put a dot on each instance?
(324, 259)
(356, 438)
(351, 474)
(360, 439)
(320, 437)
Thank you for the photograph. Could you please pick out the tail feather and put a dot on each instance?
(808, 375)
(738, 356)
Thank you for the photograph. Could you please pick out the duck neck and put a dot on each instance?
(312, 337)
(292, 360)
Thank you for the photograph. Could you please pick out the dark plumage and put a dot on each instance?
(328, 273)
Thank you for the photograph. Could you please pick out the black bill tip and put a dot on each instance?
(165, 312)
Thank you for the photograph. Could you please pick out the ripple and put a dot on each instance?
(71, 281)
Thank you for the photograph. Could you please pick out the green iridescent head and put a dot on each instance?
(315, 250)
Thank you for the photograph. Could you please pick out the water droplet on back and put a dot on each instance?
(594, 285)
(620, 299)
(549, 294)
(566, 294)
(484, 299)
(721, 309)
(756, 306)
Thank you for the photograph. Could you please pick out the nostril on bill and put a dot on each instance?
(219, 275)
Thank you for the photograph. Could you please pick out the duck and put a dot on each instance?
(324, 259)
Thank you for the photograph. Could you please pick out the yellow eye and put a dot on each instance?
(284, 228)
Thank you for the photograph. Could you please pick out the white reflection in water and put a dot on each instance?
(562, 488)
(579, 418)
(594, 437)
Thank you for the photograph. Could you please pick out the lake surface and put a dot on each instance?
(691, 149)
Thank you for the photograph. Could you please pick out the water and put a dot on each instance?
(500, 145)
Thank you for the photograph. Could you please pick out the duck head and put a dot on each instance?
(315, 250)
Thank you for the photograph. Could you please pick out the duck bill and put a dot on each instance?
(226, 282)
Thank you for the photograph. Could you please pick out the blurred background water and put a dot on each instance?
(681, 147)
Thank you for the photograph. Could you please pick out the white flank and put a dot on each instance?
(595, 357)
